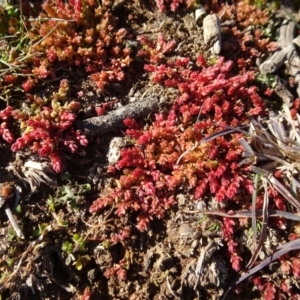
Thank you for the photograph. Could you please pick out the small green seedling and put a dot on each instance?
(52, 203)
(70, 248)
(68, 195)
(81, 262)
(79, 243)
(11, 234)
(41, 227)
(268, 80)
(214, 228)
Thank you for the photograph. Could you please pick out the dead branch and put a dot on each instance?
(286, 55)
(114, 119)
(277, 60)
(286, 33)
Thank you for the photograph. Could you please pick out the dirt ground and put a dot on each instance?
(64, 252)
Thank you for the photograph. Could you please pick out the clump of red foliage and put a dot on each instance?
(173, 5)
(286, 279)
(81, 34)
(86, 294)
(6, 117)
(46, 126)
(168, 154)
(251, 42)
(119, 270)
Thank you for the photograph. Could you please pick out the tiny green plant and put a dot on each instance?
(3, 276)
(258, 228)
(18, 209)
(71, 249)
(268, 80)
(106, 244)
(68, 195)
(212, 60)
(68, 248)
(61, 222)
(10, 262)
(11, 234)
(81, 262)
(203, 218)
(52, 203)
(215, 227)
(79, 243)
(37, 232)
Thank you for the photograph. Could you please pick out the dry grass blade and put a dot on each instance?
(263, 142)
(264, 229)
(225, 131)
(284, 192)
(276, 128)
(284, 214)
(205, 255)
(248, 214)
(253, 216)
(259, 171)
(248, 152)
(294, 131)
(294, 182)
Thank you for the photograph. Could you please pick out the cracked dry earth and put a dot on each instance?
(179, 258)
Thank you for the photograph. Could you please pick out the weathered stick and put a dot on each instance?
(293, 68)
(286, 33)
(286, 55)
(285, 41)
(114, 119)
(13, 222)
(276, 60)
(11, 217)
